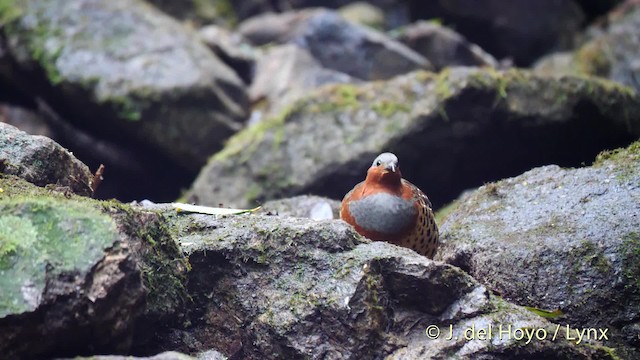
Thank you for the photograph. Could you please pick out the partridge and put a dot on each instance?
(386, 207)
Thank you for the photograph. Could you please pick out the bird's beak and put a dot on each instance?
(390, 168)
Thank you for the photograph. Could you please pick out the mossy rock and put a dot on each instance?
(78, 274)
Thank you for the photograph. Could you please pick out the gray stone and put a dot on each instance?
(612, 51)
(443, 46)
(286, 73)
(77, 275)
(451, 131)
(231, 48)
(522, 30)
(94, 63)
(272, 287)
(42, 161)
(303, 206)
(336, 43)
(556, 238)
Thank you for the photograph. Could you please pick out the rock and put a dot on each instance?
(25, 119)
(556, 238)
(168, 355)
(336, 43)
(42, 161)
(231, 48)
(286, 73)
(198, 12)
(94, 64)
(523, 31)
(268, 287)
(451, 131)
(77, 274)
(363, 13)
(396, 13)
(304, 206)
(612, 52)
(443, 46)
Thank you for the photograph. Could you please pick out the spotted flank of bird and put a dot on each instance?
(386, 207)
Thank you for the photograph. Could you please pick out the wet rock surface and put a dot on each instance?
(446, 129)
(77, 274)
(527, 262)
(169, 101)
(42, 161)
(556, 238)
(264, 286)
(611, 51)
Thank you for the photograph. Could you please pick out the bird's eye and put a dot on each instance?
(378, 162)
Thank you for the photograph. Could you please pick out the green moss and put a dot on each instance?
(388, 108)
(9, 11)
(43, 238)
(336, 98)
(444, 212)
(253, 193)
(163, 266)
(627, 161)
(217, 9)
(126, 108)
(630, 252)
(592, 59)
(246, 141)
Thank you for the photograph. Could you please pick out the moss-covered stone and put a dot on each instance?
(39, 236)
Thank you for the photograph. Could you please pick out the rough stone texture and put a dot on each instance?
(451, 131)
(396, 13)
(336, 43)
(198, 12)
(286, 73)
(612, 51)
(94, 63)
(264, 287)
(231, 48)
(168, 355)
(303, 206)
(442, 46)
(522, 30)
(555, 238)
(41, 161)
(77, 274)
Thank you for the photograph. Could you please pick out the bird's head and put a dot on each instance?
(385, 169)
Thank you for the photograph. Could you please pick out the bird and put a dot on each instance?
(386, 207)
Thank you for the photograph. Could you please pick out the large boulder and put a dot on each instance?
(336, 43)
(95, 65)
(612, 50)
(78, 275)
(395, 12)
(42, 161)
(266, 287)
(452, 131)
(522, 30)
(554, 238)
(286, 73)
(442, 45)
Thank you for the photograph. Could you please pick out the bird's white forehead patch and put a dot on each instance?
(385, 158)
